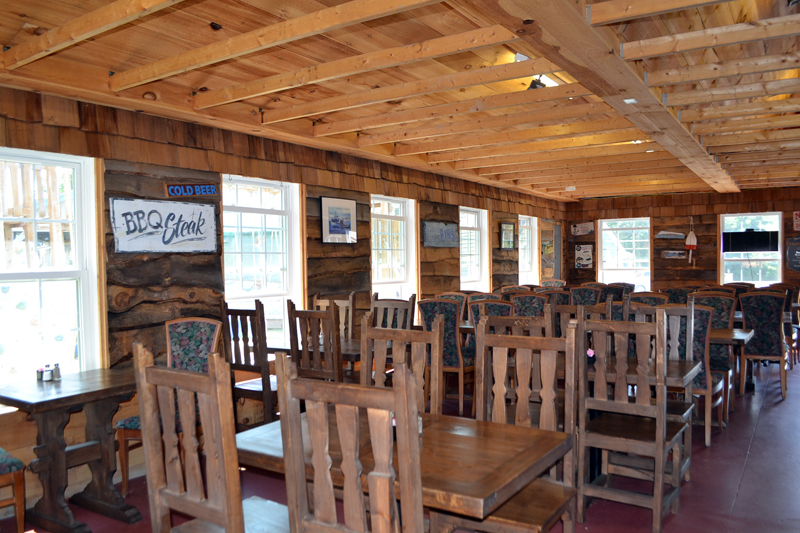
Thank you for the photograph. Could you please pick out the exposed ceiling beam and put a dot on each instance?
(685, 177)
(614, 11)
(559, 33)
(380, 59)
(761, 123)
(769, 107)
(572, 178)
(760, 157)
(722, 69)
(756, 30)
(469, 78)
(562, 155)
(511, 172)
(80, 29)
(498, 139)
(764, 170)
(530, 118)
(655, 187)
(755, 147)
(763, 163)
(733, 92)
(613, 162)
(497, 101)
(746, 138)
(322, 21)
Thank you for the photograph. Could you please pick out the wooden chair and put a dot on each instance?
(411, 348)
(457, 359)
(529, 305)
(552, 283)
(346, 310)
(314, 342)
(459, 297)
(508, 288)
(393, 314)
(649, 298)
(341, 407)
(174, 469)
(788, 329)
(244, 337)
(13, 475)
(508, 295)
(616, 292)
(762, 311)
(204, 334)
(488, 308)
(678, 295)
(594, 284)
(480, 296)
(545, 501)
(628, 431)
(627, 287)
(584, 296)
(717, 288)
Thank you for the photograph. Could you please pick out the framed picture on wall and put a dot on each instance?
(338, 220)
(507, 235)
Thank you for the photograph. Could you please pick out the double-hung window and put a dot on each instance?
(393, 260)
(625, 252)
(48, 264)
(260, 218)
(759, 268)
(473, 250)
(528, 260)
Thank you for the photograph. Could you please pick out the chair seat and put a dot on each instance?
(535, 508)
(9, 463)
(256, 385)
(699, 383)
(260, 515)
(679, 411)
(631, 427)
(132, 422)
(720, 366)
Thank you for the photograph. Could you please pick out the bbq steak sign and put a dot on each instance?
(158, 226)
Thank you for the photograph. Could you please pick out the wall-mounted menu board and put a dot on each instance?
(440, 235)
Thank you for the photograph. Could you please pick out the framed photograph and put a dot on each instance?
(338, 220)
(507, 235)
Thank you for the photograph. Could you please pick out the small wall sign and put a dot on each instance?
(192, 189)
(585, 228)
(583, 255)
(162, 226)
(673, 254)
(793, 254)
(338, 220)
(440, 235)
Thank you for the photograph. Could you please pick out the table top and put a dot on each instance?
(468, 467)
(72, 390)
(731, 336)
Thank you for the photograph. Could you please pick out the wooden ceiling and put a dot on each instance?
(648, 96)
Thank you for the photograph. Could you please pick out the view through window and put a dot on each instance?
(528, 271)
(393, 273)
(625, 252)
(759, 268)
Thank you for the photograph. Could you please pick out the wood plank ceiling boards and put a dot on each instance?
(626, 97)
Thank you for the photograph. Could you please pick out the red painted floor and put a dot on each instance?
(747, 481)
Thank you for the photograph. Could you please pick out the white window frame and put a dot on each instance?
(396, 288)
(778, 259)
(601, 236)
(529, 272)
(483, 282)
(86, 266)
(291, 210)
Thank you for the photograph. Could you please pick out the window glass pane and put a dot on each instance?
(248, 196)
(760, 268)
(625, 252)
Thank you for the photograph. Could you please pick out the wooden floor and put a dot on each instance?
(749, 480)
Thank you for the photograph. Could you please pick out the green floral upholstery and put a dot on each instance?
(678, 295)
(763, 313)
(479, 297)
(627, 287)
(585, 295)
(702, 329)
(514, 288)
(553, 283)
(594, 284)
(724, 307)
(450, 310)
(616, 292)
(559, 297)
(616, 311)
(649, 299)
(9, 463)
(531, 305)
(491, 308)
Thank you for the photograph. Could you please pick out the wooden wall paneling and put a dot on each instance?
(505, 263)
(439, 268)
(576, 276)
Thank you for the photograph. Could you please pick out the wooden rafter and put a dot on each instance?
(679, 177)
(722, 69)
(558, 32)
(498, 101)
(508, 71)
(328, 19)
(82, 28)
(757, 30)
(630, 150)
(733, 92)
(605, 191)
(728, 125)
(586, 168)
(747, 138)
(763, 163)
(614, 11)
(769, 107)
(573, 131)
(572, 177)
(392, 57)
(761, 146)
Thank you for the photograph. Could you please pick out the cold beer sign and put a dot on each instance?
(156, 226)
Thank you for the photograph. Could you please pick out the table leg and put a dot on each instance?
(100, 495)
(51, 512)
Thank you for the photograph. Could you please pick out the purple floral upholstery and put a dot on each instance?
(719, 354)
(553, 283)
(764, 313)
(678, 295)
(450, 310)
(616, 292)
(9, 463)
(585, 295)
(531, 305)
(514, 288)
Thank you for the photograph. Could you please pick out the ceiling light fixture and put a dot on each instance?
(636, 142)
(570, 188)
(649, 151)
(536, 84)
(631, 101)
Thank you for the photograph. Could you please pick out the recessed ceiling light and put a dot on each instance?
(630, 101)
(649, 151)
(570, 188)
(636, 142)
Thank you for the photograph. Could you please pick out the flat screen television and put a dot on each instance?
(750, 241)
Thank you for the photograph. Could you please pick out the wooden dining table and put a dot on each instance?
(468, 467)
(736, 337)
(98, 393)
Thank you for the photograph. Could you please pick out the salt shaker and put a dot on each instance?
(48, 373)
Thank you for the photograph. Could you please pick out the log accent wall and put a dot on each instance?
(505, 263)
(576, 276)
(147, 289)
(440, 268)
(671, 213)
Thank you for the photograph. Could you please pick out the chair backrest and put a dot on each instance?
(514, 288)
(594, 284)
(540, 326)
(717, 288)
(723, 305)
(627, 287)
(557, 297)
(245, 341)
(451, 310)
(346, 309)
(489, 308)
(393, 314)
(762, 311)
(319, 358)
(173, 466)
(680, 329)
(375, 347)
(791, 294)
(354, 412)
(584, 295)
(478, 296)
(190, 341)
(677, 295)
(607, 334)
(553, 283)
(649, 298)
(616, 292)
(531, 286)
(507, 296)
(459, 297)
(529, 304)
